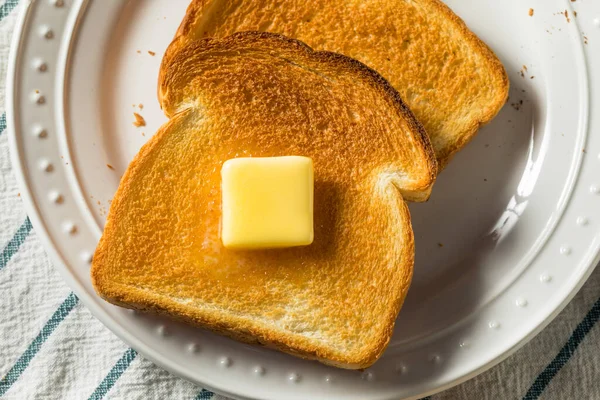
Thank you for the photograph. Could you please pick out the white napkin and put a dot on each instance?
(51, 347)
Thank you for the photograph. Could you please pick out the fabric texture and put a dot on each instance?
(51, 347)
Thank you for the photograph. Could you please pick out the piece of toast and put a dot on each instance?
(448, 77)
(260, 94)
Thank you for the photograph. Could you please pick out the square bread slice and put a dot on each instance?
(261, 95)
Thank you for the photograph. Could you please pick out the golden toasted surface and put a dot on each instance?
(256, 94)
(276, 95)
(448, 77)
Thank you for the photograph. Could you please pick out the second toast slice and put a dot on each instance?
(449, 78)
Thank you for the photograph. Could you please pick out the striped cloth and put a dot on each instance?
(52, 348)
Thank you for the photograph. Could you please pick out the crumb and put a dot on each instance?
(37, 91)
(575, 14)
(139, 120)
(19, 194)
(138, 51)
(585, 40)
(141, 106)
(133, 105)
(567, 16)
(98, 202)
(143, 134)
(151, 53)
(531, 12)
(110, 166)
(525, 68)
(523, 90)
(440, 244)
(532, 76)
(517, 106)
(584, 151)
(522, 73)
(485, 179)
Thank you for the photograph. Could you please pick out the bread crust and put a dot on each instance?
(497, 69)
(200, 18)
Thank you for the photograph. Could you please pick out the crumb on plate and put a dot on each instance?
(139, 120)
(517, 106)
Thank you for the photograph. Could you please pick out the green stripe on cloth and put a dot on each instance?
(15, 243)
(563, 356)
(2, 123)
(60, 314)
(115, 373)
(204, 395)
(7, 8)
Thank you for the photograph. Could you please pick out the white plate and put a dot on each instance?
(510, 234)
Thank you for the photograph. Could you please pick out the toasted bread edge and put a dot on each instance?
(498, 70)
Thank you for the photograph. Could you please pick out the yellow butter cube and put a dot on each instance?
(267, 202)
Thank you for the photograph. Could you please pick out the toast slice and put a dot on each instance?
(260, 94)
(449, 78)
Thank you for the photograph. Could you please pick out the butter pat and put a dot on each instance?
(267, 202)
